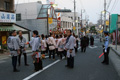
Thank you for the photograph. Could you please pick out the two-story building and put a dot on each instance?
(7, 19)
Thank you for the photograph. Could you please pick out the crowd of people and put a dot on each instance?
(61, 45)
(64, 46)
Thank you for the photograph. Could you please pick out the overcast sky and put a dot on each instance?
(92, 7)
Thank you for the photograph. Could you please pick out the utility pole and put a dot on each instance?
(101, 19)
(74, 14)
(81, 19)
(104, 16)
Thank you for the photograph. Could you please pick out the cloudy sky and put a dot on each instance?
(92, 7)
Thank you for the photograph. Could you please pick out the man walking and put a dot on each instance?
(13, 46)
(91, 41)
(83, 44)
(70, 49)
(22, 42)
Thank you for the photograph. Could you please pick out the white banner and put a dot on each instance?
(7, 17)
(58, 15)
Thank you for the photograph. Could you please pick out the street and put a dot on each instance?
(87, 67)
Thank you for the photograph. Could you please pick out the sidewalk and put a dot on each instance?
(116, 51)
(7, 55)
(115, 57)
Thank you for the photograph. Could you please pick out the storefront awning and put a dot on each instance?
(6, 28)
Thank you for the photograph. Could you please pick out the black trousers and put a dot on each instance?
(25, 58)
(106, 57)
(38, 65)
(61, 53)
(65, 53)
(76, 50)
(70, 62)
(56, 50)
(52, 52)
(14, 62)
(43, 52)
(83, 49)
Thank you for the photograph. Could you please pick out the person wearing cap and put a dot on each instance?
(106, 48)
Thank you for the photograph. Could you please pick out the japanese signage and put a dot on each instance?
(7, 17)
(113, 21)
(50, 20)
(107, 23)
(74, 28)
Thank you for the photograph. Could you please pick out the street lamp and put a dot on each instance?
(109, 17)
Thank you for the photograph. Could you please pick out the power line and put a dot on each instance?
(83, 7)
(109, 4)
(16, 5)
(113, 6)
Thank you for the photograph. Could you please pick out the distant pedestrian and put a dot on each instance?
(65, 52)
(22, 46)
(87, 40)
(43, 46)
(106, 48)
(60, 45)
(91, 40)
(47, 49)
(76, 42)
(52, 46)
(56, 40)
(70, 49)
(13, 46)
(83, 44)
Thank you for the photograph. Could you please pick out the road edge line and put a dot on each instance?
(36, 73)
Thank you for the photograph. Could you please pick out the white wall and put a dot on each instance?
(28, 10)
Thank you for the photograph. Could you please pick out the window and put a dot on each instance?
(18, 17)
(7, 6)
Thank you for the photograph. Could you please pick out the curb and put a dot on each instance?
(115, 59)
(117, 53)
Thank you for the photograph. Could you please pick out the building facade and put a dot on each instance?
(7, 19)
(36, 16)
(67, 20)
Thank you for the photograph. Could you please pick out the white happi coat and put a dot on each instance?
(70, 45)
(51, 41)
(60, 42)
(35, 43)
(22, 43)
(13, 45)
(43, 45)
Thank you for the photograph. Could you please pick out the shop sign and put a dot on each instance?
(7, 17)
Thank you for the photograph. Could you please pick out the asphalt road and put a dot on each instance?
(87, 67)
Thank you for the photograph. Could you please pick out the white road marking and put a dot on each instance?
(79, 48)
(3, 58)
(93, 47)
(36, 73)
(97, 39)
(2, 61)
